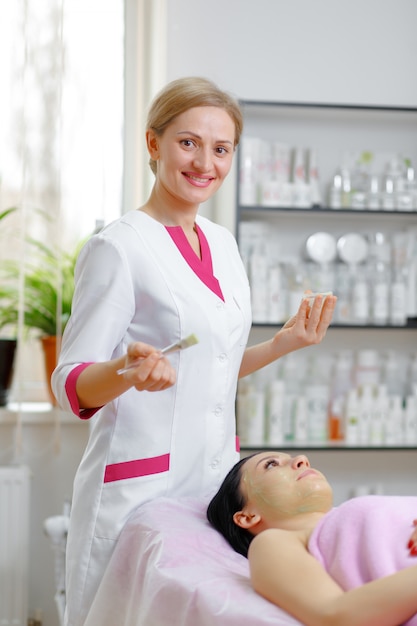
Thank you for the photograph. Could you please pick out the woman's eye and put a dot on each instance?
(221, 150)
(271, 463)
(188, 143)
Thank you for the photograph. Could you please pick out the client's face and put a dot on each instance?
(279, 486)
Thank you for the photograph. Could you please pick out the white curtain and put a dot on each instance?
(61, 131)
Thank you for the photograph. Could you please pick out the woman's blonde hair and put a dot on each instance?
(186, 93)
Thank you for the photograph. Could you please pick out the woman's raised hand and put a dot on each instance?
(309, 325)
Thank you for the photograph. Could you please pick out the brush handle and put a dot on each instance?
(167, 350)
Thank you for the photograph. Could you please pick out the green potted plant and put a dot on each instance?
(47, 296)
(8, 341)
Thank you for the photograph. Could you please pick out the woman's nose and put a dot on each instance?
(300, 461)
(202, 159)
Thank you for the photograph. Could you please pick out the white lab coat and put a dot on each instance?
(132, 283)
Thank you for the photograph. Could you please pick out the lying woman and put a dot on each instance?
(347, 565)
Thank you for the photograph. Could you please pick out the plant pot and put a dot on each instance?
(51, 346)
(7, 354)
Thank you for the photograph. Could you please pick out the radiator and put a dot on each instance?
(14, 545)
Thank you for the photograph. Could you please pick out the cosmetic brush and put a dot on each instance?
(182, 344)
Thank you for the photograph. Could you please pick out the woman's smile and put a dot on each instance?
(198, 180)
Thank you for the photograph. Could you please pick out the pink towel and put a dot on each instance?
(366, 538)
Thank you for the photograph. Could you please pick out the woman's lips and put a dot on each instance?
(199, 181)
(307, 472)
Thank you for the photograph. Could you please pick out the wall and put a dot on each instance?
(361, 51)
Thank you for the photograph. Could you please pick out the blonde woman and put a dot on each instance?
(166, 426)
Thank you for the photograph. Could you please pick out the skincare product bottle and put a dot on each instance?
(398, 297)
(275, 412)
(380, 415)
(379, 263)
(341, 384)
(301, 420)
(291, 377)
(258, 276)
(373, 199)
(395, 432)
(301, 189)
(277, 291)
(255, 408)
(317, 393)
(366, 407)
(367, 371)
(410, 420)
(314, 179)
(335, 191)
(388, 195)
(352, 418)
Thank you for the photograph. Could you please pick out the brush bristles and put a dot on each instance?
(188, 341)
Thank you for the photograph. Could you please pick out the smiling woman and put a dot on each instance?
(351, 564)
(152, 277)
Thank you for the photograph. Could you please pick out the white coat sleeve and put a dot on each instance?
(102, 308)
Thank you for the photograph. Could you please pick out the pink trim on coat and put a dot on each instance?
(203, 267)
(134, 469)
(70, 384)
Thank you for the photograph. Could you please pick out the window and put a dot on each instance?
(61, 127)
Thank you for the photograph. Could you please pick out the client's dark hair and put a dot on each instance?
(225, 503)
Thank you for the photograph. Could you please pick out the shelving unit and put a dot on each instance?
(332, 129)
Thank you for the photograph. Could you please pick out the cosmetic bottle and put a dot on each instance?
(255, 416)
(258, 276)
(313, 178)
(317, 393)
(403, 198)
(367, 370)
(301, 421)
(248, 174)
(398, 297)
(379, 418)
(379, 273)
(301, 189)
(395, 421)
(291, 378)
(351, 418)
(410, 420)
(275, 412)
(352, 249)
(411, 186)
(373, 199)
(412, 375)
(346, 189)
(366, 408)
(335, 191)
(277, 291)
(297, 285)
(387, 195)
(392, 373)
(341, 384)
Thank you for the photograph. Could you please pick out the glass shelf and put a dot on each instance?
(411, 325)
(327, 446)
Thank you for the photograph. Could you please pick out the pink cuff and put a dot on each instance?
(70, 384)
